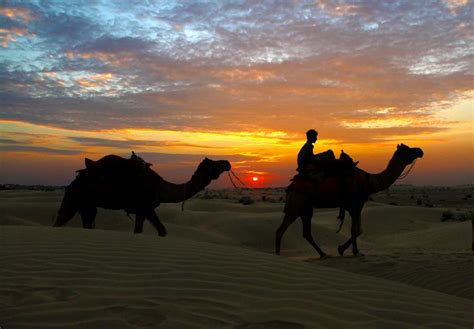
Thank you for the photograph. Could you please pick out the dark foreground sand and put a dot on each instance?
(216, 269)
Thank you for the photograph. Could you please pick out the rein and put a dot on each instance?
(405, 174)
(236, 177)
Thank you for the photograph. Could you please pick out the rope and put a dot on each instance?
(238, 179)
(403, 175)
(230, 177)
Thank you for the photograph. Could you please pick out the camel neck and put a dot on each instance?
(381, 181)
(173, 193)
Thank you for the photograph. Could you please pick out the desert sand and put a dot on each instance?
(217, 269)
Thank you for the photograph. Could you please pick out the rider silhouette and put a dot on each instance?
(306, 155)
(306, 158)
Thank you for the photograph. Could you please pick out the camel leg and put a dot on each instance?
(88, 216)
(64, 216)
(287, 221)
(343, 247)
(153, 218)
(68, 206)
(355, 232)
(139, 221)
(308, 235)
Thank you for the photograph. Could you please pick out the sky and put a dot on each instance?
(177, 81)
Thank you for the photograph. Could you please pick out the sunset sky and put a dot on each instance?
(176, 81)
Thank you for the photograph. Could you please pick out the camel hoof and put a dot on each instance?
(163, 233)
(358, 254)
(340, 250)
(324, 256)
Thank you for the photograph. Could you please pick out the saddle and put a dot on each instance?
(113, 167)
(333, 167)
(317, 170)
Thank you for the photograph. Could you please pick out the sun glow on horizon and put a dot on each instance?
(266, 158)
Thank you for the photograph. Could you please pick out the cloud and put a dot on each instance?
(8, 141)
(454, 5)
(159, 159)
(8, 36)
(337, 8)
(36, 149)
(17, 13)
(230, 66)
(88, 141)
(14, 24)
(109, 44)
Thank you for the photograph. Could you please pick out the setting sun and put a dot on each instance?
(255, 179)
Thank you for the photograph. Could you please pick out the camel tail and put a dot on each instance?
(68, 206)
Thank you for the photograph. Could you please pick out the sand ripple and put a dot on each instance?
(74, 278)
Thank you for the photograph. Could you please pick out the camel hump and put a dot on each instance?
(348, 159)
(90, 164)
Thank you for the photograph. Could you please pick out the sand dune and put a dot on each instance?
(450, 273)
(216, 269)
(75, 278)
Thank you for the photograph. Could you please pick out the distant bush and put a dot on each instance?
(419, 202)
(206, 195)
(466, 216)
(268, 199)
(447, 215)
(462, 217)
(246, 200)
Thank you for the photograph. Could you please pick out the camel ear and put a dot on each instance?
(398, 146)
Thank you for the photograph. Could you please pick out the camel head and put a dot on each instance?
(408, 154)
(213, 169)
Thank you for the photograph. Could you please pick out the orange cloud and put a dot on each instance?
(102, 76)
(116, 59)
(14, 13)
(336, 10)
(241, 74)
(453, 5)
(8, 36)
(87, 83)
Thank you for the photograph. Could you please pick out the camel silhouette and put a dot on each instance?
(114, 182)
(331, 193)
